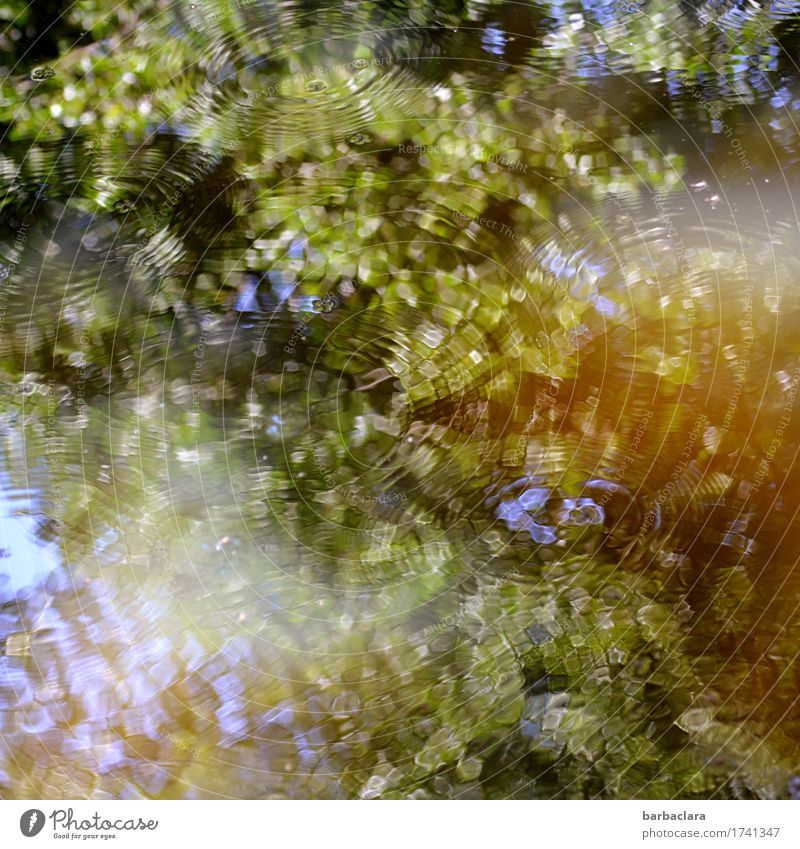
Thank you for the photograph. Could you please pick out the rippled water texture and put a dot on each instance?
(400, 400)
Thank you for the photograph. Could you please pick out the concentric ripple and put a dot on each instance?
(399, 401)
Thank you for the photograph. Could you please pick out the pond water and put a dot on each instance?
(399, 400)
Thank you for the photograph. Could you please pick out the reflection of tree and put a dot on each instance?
(506, 323)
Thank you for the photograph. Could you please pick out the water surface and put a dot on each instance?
(400, 401)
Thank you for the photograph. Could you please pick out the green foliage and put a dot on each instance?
(283, 503)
